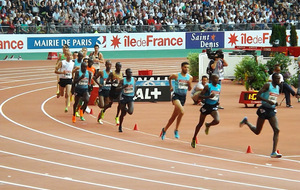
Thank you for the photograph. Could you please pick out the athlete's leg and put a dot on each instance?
(180, 111)
(118, 109)
(199, 125)
(101, 102)
(259, 124)
(75, 104)
(123, 113)
(85, 99)
(274, 124)
(173, 116)
(130, 108)
(216, 119)
(61, 91)
(68, 94)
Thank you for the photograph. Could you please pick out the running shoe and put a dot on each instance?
(244, 121)
(66, 109)
(176, 134)
(100, 121)
(120, 129)
(77, 114)
(207, 128)
(276, 155)
(163, 134)
(193, 143)
(74, 119)
(82, 118)
(117, 120)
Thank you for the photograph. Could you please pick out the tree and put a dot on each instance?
(293, 36)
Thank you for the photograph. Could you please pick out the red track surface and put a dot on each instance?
(42, 148)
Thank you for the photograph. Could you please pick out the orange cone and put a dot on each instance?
(91, 112)
(135, 127)
(249, 150)
(197, 141)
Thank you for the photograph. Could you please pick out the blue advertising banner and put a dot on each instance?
(204, 40)
(58, 42)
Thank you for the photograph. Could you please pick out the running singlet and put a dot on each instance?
(68, 67)
(83, 83)
(103, 80)
(213, 89)
(271, 95)
(76, 63)
(129, 90)
(181, 84)
(116, 79)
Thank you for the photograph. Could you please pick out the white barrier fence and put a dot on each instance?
(233, 60)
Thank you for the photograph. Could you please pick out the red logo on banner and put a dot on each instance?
(232, 39)
(115, 42)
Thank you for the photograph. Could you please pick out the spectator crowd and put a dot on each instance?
(89, 16)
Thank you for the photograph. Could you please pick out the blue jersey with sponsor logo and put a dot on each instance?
(103, 81)
(213, 89)
(83, 83)
(181, 84)
(129, 90)
(271, 95)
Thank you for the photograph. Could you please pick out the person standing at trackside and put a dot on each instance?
(128, 91)
(97, 57)
(114, 79)
(104, 88)
(210, 94)
(81, 85)
(64, 70)
(183, 83)
(197, 90)
(284, 87)
(217, 67)
(268, 94)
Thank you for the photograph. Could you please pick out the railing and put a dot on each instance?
(77, 28)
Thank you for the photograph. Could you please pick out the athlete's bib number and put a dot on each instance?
(273, 97)
(68, 75)
(182, 85)
(83, 82)
(216, 97)
(128, 90)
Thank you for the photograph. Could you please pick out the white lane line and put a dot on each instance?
(62, 178)
(25, 68)
(138, 178)
(23, 80)
(121, 139)
(173, 150)
(25, 72)
(21, 185)
(157, 147)
(155, 158)
(11, 87)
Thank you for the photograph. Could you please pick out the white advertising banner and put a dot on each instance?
(259, 38)
(13, 43)
(106, 42)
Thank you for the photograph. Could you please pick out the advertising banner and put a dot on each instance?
(108, 42)
(259, 38)
(13, 43)
(204, 40)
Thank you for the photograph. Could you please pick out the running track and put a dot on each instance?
(42, 149)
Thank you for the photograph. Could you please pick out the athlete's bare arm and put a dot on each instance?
(171, 77)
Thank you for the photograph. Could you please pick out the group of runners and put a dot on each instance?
(78, 72)
(77, 76)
